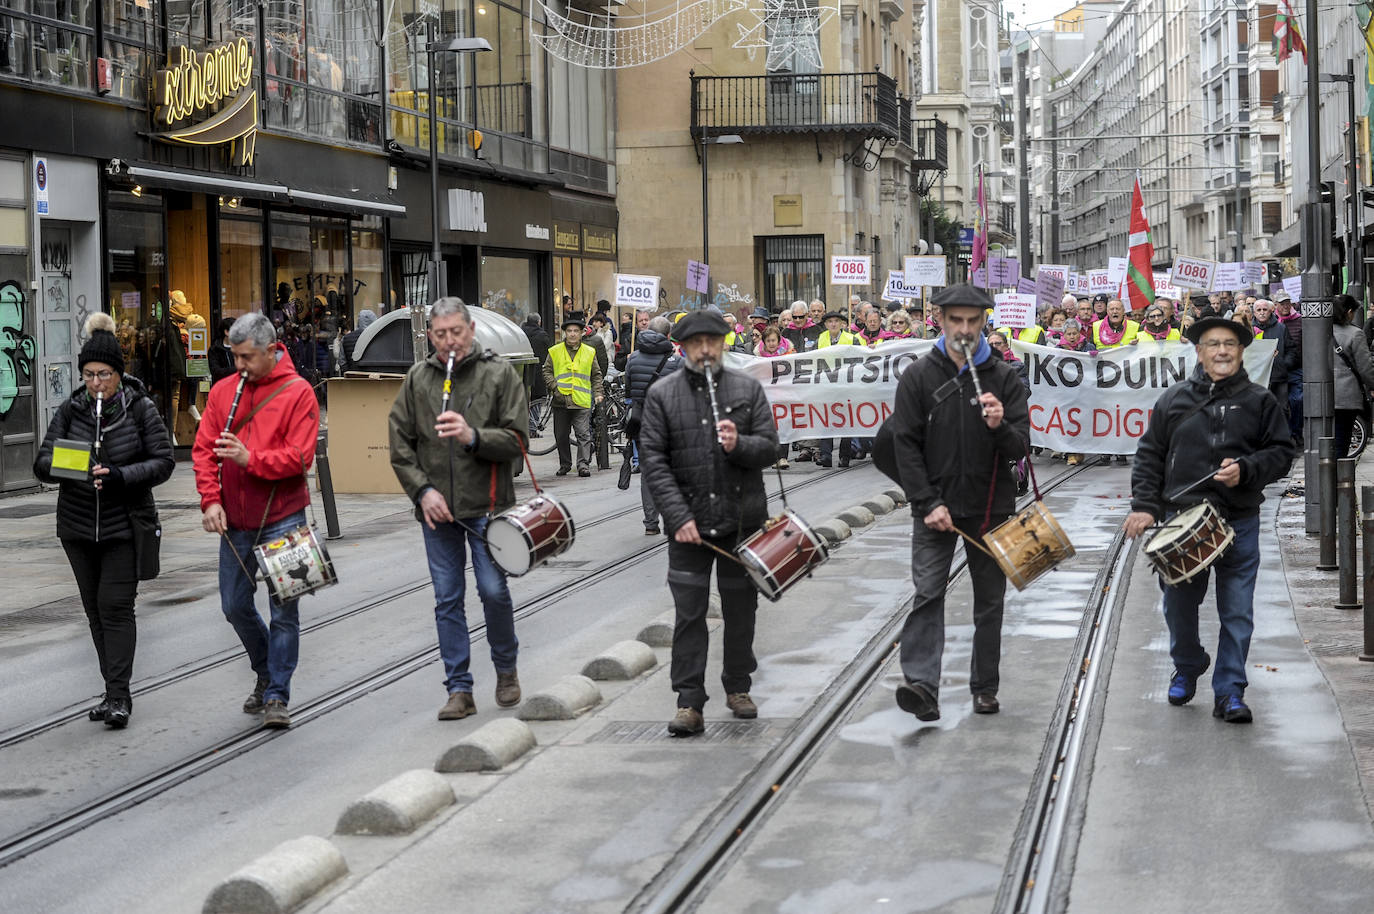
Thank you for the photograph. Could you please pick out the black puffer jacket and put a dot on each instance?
(641, 369)
(135, 447)
(1197, 424)
(944, 452)
(690, 477)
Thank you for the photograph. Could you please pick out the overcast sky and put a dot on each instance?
(1035, 13)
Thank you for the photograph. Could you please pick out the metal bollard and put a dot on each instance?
(1367, 521)
(331, 510)
(1345, 533)
(1326, 502)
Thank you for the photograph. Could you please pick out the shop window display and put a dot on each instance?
(313, 299)
(507, 284)
(137, 259)
(240, 260)
(369, 261)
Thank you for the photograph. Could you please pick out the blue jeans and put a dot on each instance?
(272, 652)
(1235, 571)
(445, 547)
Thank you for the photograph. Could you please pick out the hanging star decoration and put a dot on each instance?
(789, 30)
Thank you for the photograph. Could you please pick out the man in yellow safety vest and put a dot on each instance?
(1115, 329)
(835, 334)
(573, 378)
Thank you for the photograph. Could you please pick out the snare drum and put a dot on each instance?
(1028, 545)
(1189, 543)
(781, 554)
(295, 564)
(526, 536)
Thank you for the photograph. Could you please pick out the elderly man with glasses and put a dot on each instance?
(1221, 438)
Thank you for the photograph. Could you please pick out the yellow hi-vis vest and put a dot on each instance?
(1172, 335)
(1128, 334)
(844, 339)
(573, 374)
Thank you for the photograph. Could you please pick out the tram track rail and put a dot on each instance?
(30, 840)
(686, 879)
(210, 662)
(1040, 865)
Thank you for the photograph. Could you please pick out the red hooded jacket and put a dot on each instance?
(280, 441)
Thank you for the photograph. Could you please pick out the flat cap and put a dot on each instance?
(1202, 325)
(573, 320)
(695, 323)
(962, 295)
(829, 314)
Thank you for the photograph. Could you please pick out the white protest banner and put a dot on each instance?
(1229, 278)
(1079, 284)
(925, 271)
(1116, 270)
(1253, 272)
(1164, 289)
(1101, 281)
(635, 291)
(898, 288)
(1293, 286)
(1082, 403)
(1050, 281)
(1193, 273)
(850, 270)
(839, 391)
(1013, 310)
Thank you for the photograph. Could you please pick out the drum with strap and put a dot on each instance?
(1189, 543)
(781, 554)
(295, 564)
(1028, 544)
(523, 537)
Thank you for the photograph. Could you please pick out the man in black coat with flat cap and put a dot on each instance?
(706, 477)
(1221, 438)
(953, 452)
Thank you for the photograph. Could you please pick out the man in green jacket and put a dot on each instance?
(455, 465)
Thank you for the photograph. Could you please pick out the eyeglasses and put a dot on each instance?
(1000, 344)
(1220, 344)
(93, 375)
(897, 323)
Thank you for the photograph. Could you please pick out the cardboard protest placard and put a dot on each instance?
(1013, 309)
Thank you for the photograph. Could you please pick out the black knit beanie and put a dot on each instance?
(102, 346)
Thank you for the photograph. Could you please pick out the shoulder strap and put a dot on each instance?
(1345, 356)
(661, 362)
(268, 399)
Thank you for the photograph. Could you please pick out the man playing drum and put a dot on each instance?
(1221, 438)
(953, 457)
(252, 485)
(703, 459)
(455, 464)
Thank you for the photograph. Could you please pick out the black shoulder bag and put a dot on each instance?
(146, 527)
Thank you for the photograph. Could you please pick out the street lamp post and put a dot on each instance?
(706, 143)
(438, 276)
(1354, 255)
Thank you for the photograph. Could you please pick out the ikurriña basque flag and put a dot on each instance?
(1286, 33)
(1140, 276)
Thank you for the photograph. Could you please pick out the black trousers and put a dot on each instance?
(689, 580)
(107, 577)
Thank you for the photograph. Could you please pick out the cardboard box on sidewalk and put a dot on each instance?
(359, 450)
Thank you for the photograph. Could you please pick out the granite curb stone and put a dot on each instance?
(279, 881)
(857, 516)
(491, 747)
(397, 807)
(564, 700)
(622, 660)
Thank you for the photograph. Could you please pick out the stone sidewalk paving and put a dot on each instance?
(1334, 637)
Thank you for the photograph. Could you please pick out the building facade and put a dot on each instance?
(178, 165)
(786, 131)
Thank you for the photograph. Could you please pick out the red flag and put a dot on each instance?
(1286, 33)
(980, 229)
(1140, 275)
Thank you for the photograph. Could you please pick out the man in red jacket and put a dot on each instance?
(253, 488)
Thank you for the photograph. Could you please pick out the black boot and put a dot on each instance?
(117, 717)
(99, 711)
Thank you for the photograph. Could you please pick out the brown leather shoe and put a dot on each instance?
(686, 722)
(458, 706)
(507, 689)
(985, 703)
(742, 705)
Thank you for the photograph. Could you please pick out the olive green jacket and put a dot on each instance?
(490, 395)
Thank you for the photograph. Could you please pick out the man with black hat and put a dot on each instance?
(1221, 438)
(705, 469)
(573, 377)
(944, 446)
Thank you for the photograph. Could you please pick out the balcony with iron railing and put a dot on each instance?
(864, 103)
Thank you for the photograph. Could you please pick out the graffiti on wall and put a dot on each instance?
(17, 348)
